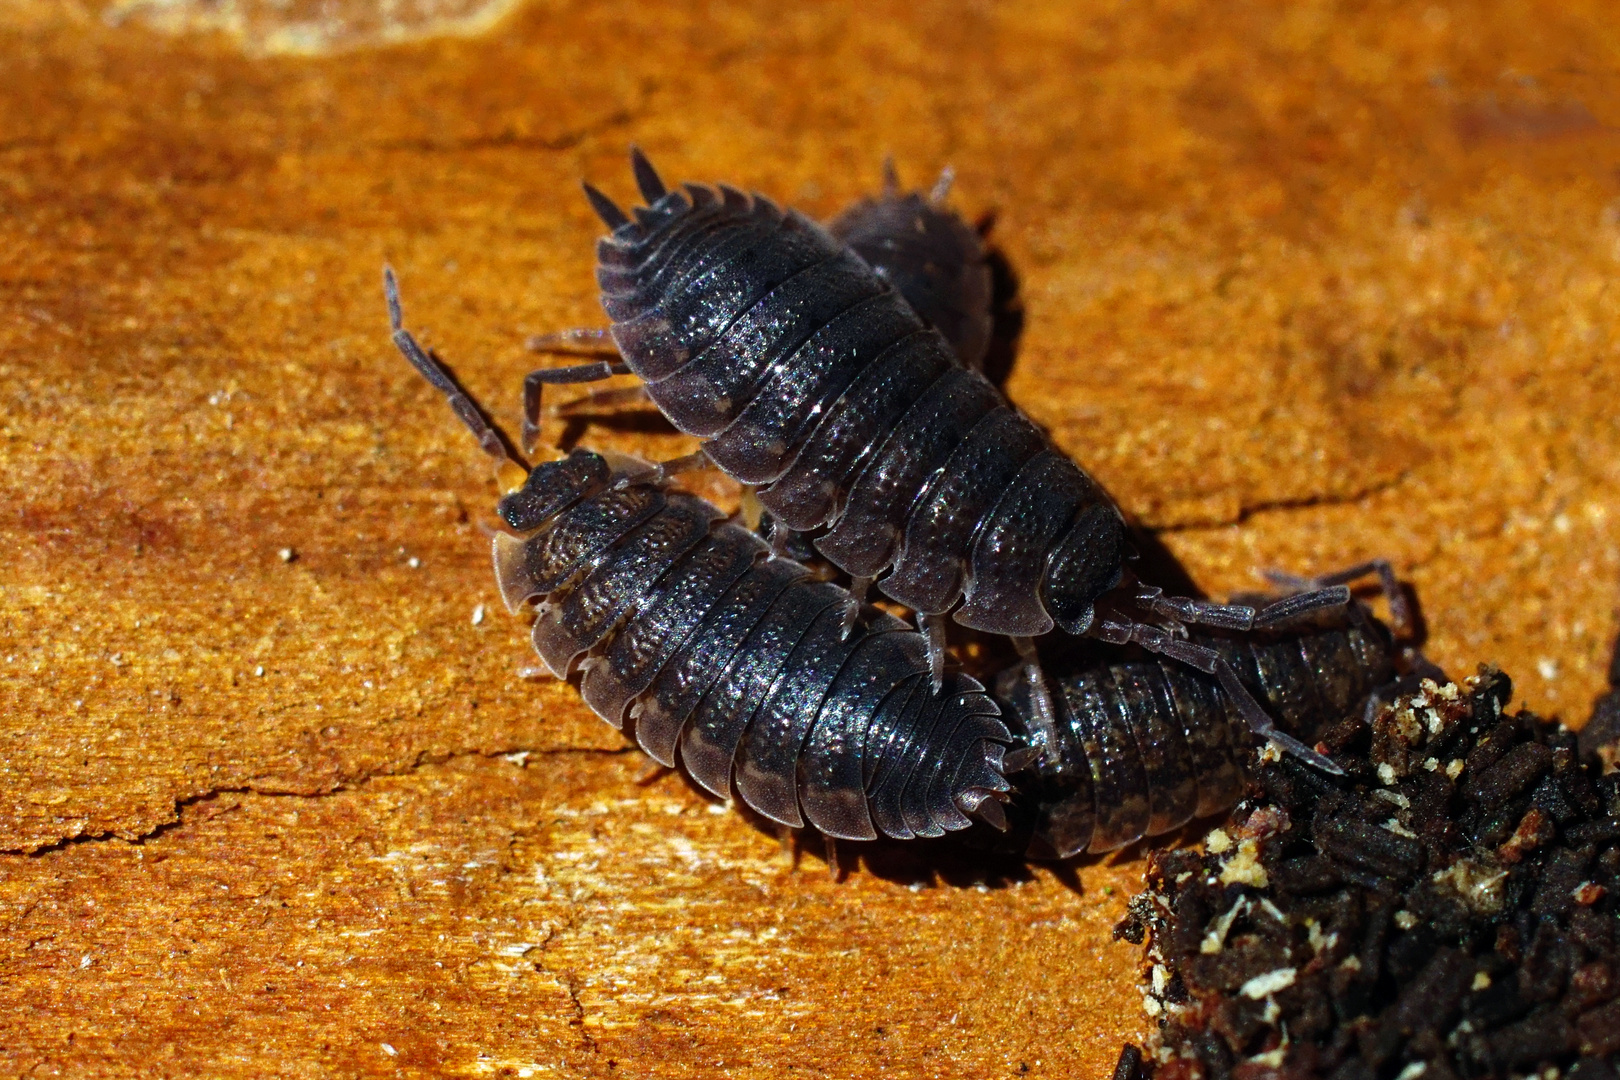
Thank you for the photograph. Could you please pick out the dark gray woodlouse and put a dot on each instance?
(688, 633)
(933, 258)
(804, 372)
(1144, 746)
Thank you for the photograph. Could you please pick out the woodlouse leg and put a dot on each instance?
(1240, 616)
(663, 470)
(535, 380)
(781, 536)
(858, 588)
(784, 839)
(933, 629)
(1040, 693)
(833, 870)
(1302, 604)
(1211, 662)
(1400, 610)
(592, 340)
(1187, 610)
(750, 509)
(653, 773)
(431, 368)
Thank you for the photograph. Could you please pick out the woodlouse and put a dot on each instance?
(805, 373)
(1145, 746)
(933, 258)
(688, 633)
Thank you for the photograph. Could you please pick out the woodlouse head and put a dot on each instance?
(553, 487)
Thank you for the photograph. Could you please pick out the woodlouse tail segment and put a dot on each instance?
(490, 438)
(891, 178)
(648, 181)
(606, 209)
(989, 809)
(942, 187)
(1024, 757)
(661, 205)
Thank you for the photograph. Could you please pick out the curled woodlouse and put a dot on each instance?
(807, 374)
(1143, 746)
(933, 258)
(691, 636)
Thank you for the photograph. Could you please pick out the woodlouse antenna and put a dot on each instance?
(491, 439)
(605, 208)
(647, 179)
(535, 382)
(990, 810)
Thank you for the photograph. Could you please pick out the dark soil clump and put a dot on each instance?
(1446, 910)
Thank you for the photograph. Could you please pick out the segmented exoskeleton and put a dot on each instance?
(806, 374)
(690, 634)
(1144, 746)
(933, 258)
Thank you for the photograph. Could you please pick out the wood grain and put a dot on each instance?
(1304, 283)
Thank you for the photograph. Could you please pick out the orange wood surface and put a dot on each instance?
(1304, 283)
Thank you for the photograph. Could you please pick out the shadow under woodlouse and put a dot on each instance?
(1006, 309)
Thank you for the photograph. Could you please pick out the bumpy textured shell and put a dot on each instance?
(686, 631)
(933, 258)
(806, 373)
(1144, 746)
